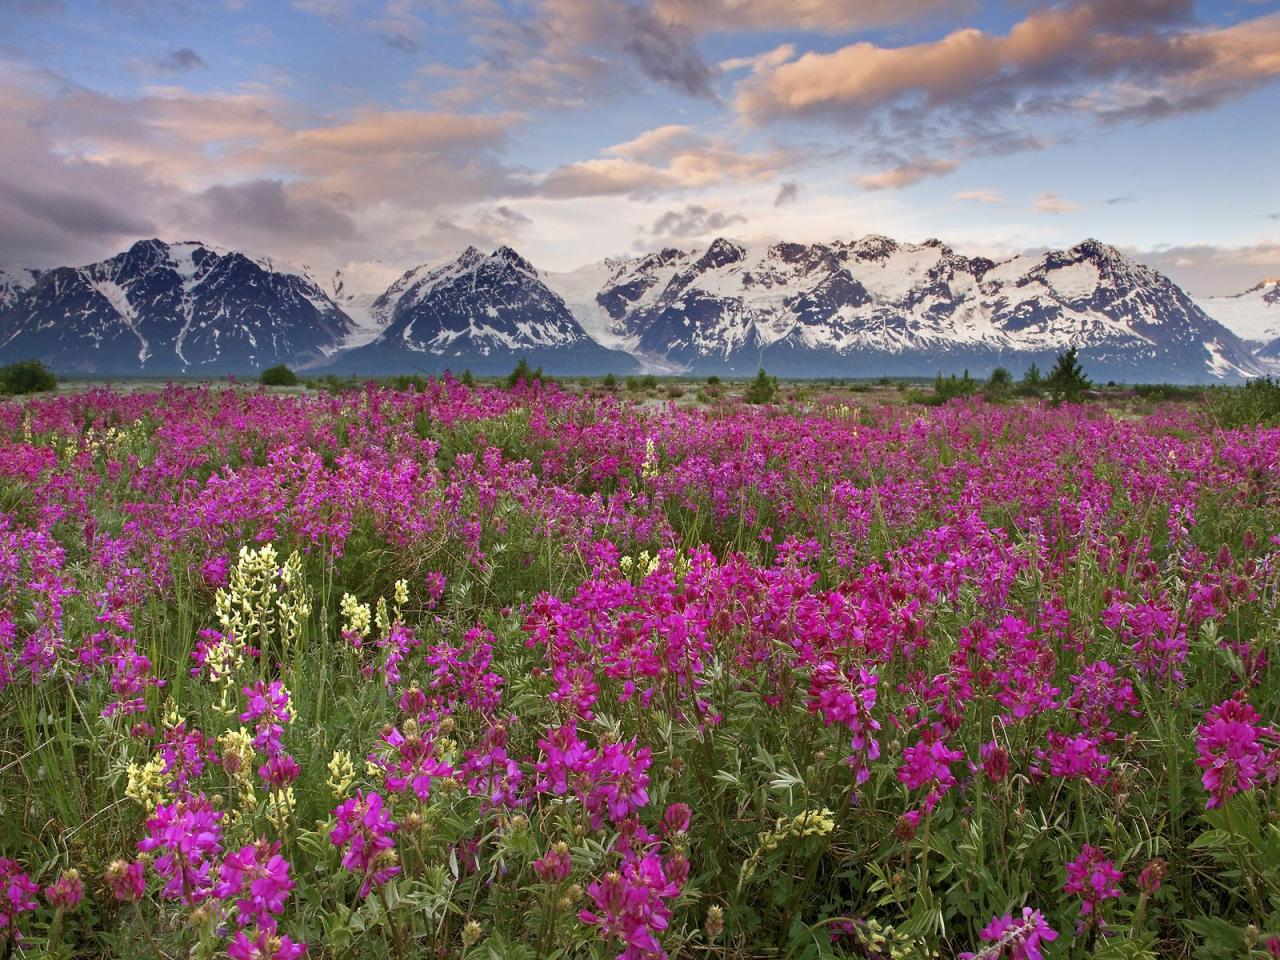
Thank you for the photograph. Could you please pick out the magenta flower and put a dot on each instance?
(265, 946)
(928, 764)
(187, 837)
(1094, 878)
(257, 877)
(1014, 939)
(363, 830)
(630, 907)
(848, 701)
(66, 892)
(17, 896)
(1232, 753)
(127, 880)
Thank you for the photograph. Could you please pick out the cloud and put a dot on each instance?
(788, 192)
(567, 54)
(1049, 202)
(694, 220)
(906, 174)
(670, 157)
(181, 60)
(267, 209)
(84, 173)
(1099, 59)
(979, 196)
(667, 53)
(821, 16)
(1274, 216)
(1123, 198)
(1210, 270)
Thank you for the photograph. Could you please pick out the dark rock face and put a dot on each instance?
(171, 309)
(860, 308)
(481, 313)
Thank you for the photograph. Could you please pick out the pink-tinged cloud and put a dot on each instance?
(819, 16)
(670, 157)
(1138, 58)
(1049, 202)
(1207, 270)
(979, 196)
(906, 174)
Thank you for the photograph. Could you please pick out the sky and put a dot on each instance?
(374, 136)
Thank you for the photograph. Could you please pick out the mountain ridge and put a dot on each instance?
(865, 306)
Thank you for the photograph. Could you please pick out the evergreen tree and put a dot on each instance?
(762, 389)
(1066, 381)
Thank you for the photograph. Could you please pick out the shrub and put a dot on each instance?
(278, 376)
(610, 382)
(946, 389)
(523, 373)
(999, 384)
(1066, 382)
(1257, 401)
(27, 376)
(763, 389)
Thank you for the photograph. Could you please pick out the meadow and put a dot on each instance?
(455, 670)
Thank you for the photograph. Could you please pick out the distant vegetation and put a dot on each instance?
(279, 376)
(763, 389)
(26, 376)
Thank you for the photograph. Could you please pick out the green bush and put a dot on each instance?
(763, 389)
(523, 373)
(1257, 401)
(1066, 382)
(946, 389)
(26, 376)
(278, 376)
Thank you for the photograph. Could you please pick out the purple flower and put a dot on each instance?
(127, 880)
(1232, 753)
(1093, 877)
(363, 830)
(187, 837)
(17, 896)
(265, 946)
(258, 878)
(1014, 939)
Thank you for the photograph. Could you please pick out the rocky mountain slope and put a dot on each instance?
(866, 307)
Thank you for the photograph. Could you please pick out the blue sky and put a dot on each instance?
(376, 135)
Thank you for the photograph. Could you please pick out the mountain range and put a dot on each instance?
(867, 307)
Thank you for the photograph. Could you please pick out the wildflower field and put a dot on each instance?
(471, 672)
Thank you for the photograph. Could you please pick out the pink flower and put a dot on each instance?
(554, 865)
(1232, 753)
(1014, 939)
(258, 878)
(1093, 877)
(188, 837)
(66, 892)
(17, 896)
(363, 829)
(126, 880)
(265, 946)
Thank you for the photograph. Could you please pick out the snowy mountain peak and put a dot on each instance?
(509, 256)
(721, 253)
(172, 308)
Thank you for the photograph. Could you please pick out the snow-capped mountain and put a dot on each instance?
(1253, 315)
(161, 308)
(866, 307)
(481, 312)
(878, 306)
